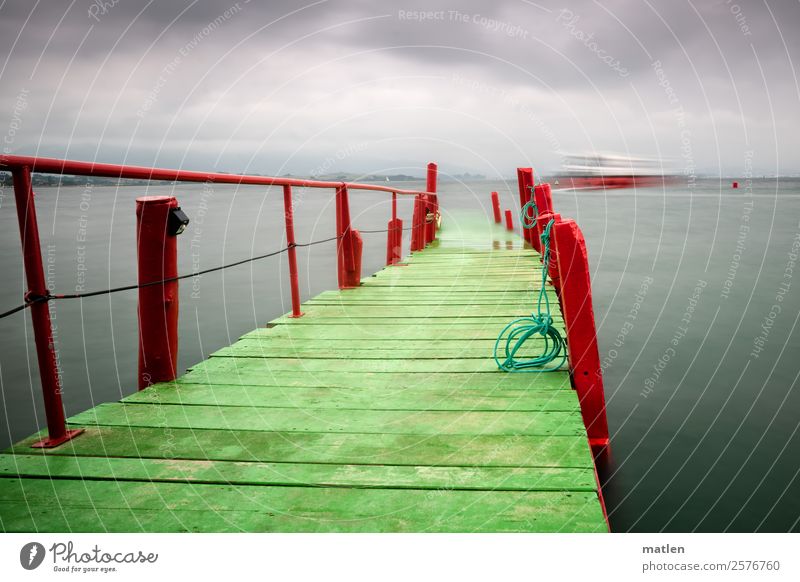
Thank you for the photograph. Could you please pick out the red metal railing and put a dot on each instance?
(157, 257)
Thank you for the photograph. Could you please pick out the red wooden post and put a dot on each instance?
(157, 254)
(544, 205)
(288, 213)
(418, 224)
(496, 207)
(432, 205)
(552, 268)
(576, 303)
(525, 181)
(394, 240)
(57, 432)
(349, 244)
(509, 220)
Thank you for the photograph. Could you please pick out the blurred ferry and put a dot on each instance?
(598, 170)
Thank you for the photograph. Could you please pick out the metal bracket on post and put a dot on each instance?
(157, 255)
(57, 432)
(525, 181)
(584, 356)
(349, 244)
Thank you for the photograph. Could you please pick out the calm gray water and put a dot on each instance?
(695, 295)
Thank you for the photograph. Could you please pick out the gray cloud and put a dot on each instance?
(482, 87)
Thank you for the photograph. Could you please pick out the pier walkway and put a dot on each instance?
(379, 410)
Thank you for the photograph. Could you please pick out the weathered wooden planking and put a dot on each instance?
(383, 398)
(379, 410)
(323, 447)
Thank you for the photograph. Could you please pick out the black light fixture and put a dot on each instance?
(177, 221)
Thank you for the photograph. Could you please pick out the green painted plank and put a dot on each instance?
(266, 348)
(299, 474)
(256, 373)
(323, 447)
(378, 334)
(333, 420)
(235, 366)
(384, 398)
(94, 506)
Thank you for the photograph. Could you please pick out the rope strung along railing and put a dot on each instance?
(515, 334)
(30, 299)
(157, 259)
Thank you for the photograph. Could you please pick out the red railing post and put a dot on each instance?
(394, 240)
(525, 181)
(576, 303)
(418, 224)
(509, 220)
(432, 205)
(349, 245)
(552, 268)
(57, 432)
(496, 207)
(157, 255)
(544, 205)
(288, 213)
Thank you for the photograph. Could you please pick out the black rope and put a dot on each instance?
(31, 299)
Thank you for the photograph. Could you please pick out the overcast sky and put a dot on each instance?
(376, 86)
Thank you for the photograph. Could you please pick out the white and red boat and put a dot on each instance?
(594, 171)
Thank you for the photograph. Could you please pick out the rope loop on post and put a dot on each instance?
(516, 333)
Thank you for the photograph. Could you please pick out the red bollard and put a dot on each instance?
(394, 241)
(348, 252)
(525, 181)
(418, 224)
(288, 213)
(509, 220)
(496, 207)
(157, 254)
(57, 432)
(432, 205)
(552, 269)
(576, 303)
(544, 205)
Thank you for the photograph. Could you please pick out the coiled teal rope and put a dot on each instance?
(516, 333)
(528, 219)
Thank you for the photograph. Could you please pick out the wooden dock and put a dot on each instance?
(380, 410)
